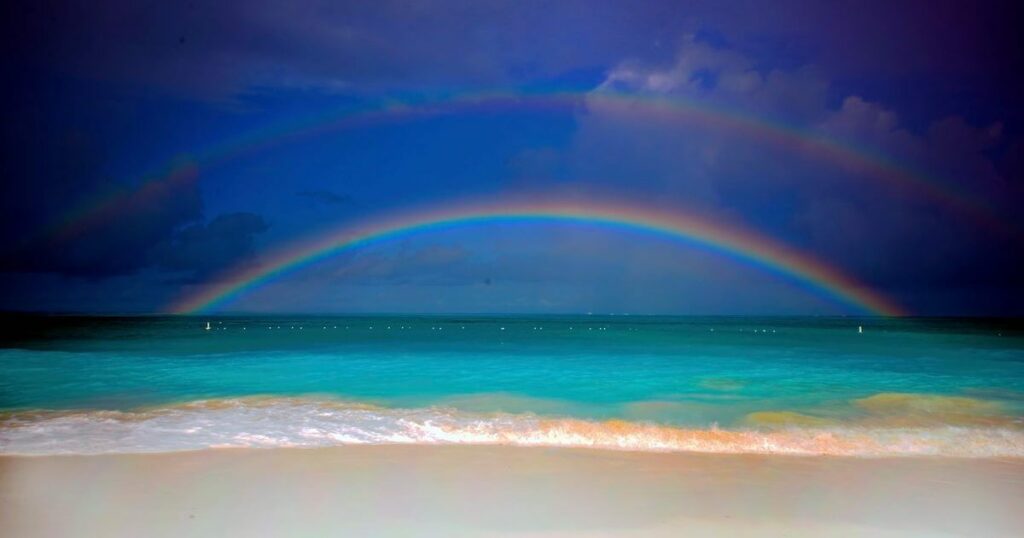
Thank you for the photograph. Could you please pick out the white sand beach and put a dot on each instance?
(504, 491)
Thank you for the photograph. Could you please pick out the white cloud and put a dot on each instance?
(855, 213)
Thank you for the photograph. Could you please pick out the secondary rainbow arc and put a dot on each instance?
(734, 242)
(817, 145)
(876, 165)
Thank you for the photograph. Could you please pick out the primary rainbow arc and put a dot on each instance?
(731, 241)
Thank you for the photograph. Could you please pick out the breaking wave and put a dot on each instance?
(309, 422)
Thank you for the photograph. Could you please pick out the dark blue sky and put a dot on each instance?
(103, 98)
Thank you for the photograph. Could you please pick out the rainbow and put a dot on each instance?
(720, 238)
(654, 108)
(904, 179)
(111, 205)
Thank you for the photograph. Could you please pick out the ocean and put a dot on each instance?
(775, 385)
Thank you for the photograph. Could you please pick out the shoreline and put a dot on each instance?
(401, 490)
(895, 424)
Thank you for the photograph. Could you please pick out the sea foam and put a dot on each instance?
(311, 422)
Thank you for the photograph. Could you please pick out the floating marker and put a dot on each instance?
(860, 329)
(207, 325)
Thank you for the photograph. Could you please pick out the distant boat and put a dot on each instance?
(207, 325)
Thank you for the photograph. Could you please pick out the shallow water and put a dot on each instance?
(731, 384)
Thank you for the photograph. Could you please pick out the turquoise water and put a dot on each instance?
(68, 382)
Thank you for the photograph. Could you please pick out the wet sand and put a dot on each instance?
(504, 491)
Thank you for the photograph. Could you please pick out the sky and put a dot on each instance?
(153, 149)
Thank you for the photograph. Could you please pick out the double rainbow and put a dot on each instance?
(733, 242)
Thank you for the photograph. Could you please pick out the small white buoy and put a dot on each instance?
(860, 329)
(207, 325)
